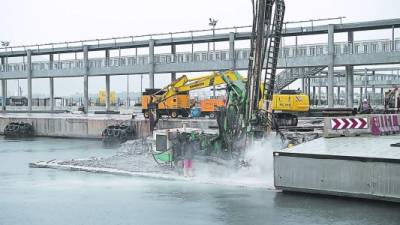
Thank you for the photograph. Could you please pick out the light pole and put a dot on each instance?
(213, 23)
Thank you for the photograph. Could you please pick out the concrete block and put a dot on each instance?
(352, 125)
(362, 167)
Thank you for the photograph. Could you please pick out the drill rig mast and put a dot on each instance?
(243, 118)
(268, 18)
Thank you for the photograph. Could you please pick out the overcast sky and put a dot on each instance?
(40, 21)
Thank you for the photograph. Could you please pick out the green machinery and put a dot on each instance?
(247, 113)
(223, 144)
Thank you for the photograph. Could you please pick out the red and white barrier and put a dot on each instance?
(384, 124)
(349, 123)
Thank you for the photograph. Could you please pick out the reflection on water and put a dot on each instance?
(45, 196)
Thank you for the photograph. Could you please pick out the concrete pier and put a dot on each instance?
(107, 82)
(51, 84)
(151, 63)
(350, 77)
(331, 68)
(4, 94)
(173, 51)
(29, 78)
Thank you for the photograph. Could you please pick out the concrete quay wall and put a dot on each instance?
(73, 127)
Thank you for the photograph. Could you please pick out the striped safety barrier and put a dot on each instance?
(384, 124)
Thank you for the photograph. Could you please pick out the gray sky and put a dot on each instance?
(40, 21)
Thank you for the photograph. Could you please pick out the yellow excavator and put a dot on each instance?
(174, 100)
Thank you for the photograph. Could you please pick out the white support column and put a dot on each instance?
(232, 55)
(373, 94)
(108, 93)
(3, 88)
(173, 52)
(350, 76)
(314, 100)
(4, 94)
(366, 85)
(326, 95)
(107, 82)
(128, 101)
(331, 69)
(86, 79)
(319, 95)
(151, 63)
(51, 84)
(393, 45)
(51, 80)
(29, 78)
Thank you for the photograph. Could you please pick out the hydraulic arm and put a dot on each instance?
(184, 84)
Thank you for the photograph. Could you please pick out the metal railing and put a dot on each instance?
(377, 79)
(115, 40)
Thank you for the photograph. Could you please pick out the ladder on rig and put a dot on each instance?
(265, 44)
(273, 51)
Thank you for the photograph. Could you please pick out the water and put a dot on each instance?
(45, 196)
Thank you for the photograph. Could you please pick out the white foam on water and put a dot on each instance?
(259, 173)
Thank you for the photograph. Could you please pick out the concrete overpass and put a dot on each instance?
(299, 61)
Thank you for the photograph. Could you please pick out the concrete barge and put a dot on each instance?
(362, 167)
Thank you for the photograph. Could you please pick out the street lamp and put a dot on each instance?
(213, 23)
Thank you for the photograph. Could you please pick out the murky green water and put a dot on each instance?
(44, 196)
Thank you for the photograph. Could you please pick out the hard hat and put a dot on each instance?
(365, 100)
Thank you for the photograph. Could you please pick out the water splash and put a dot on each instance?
(259, 172)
